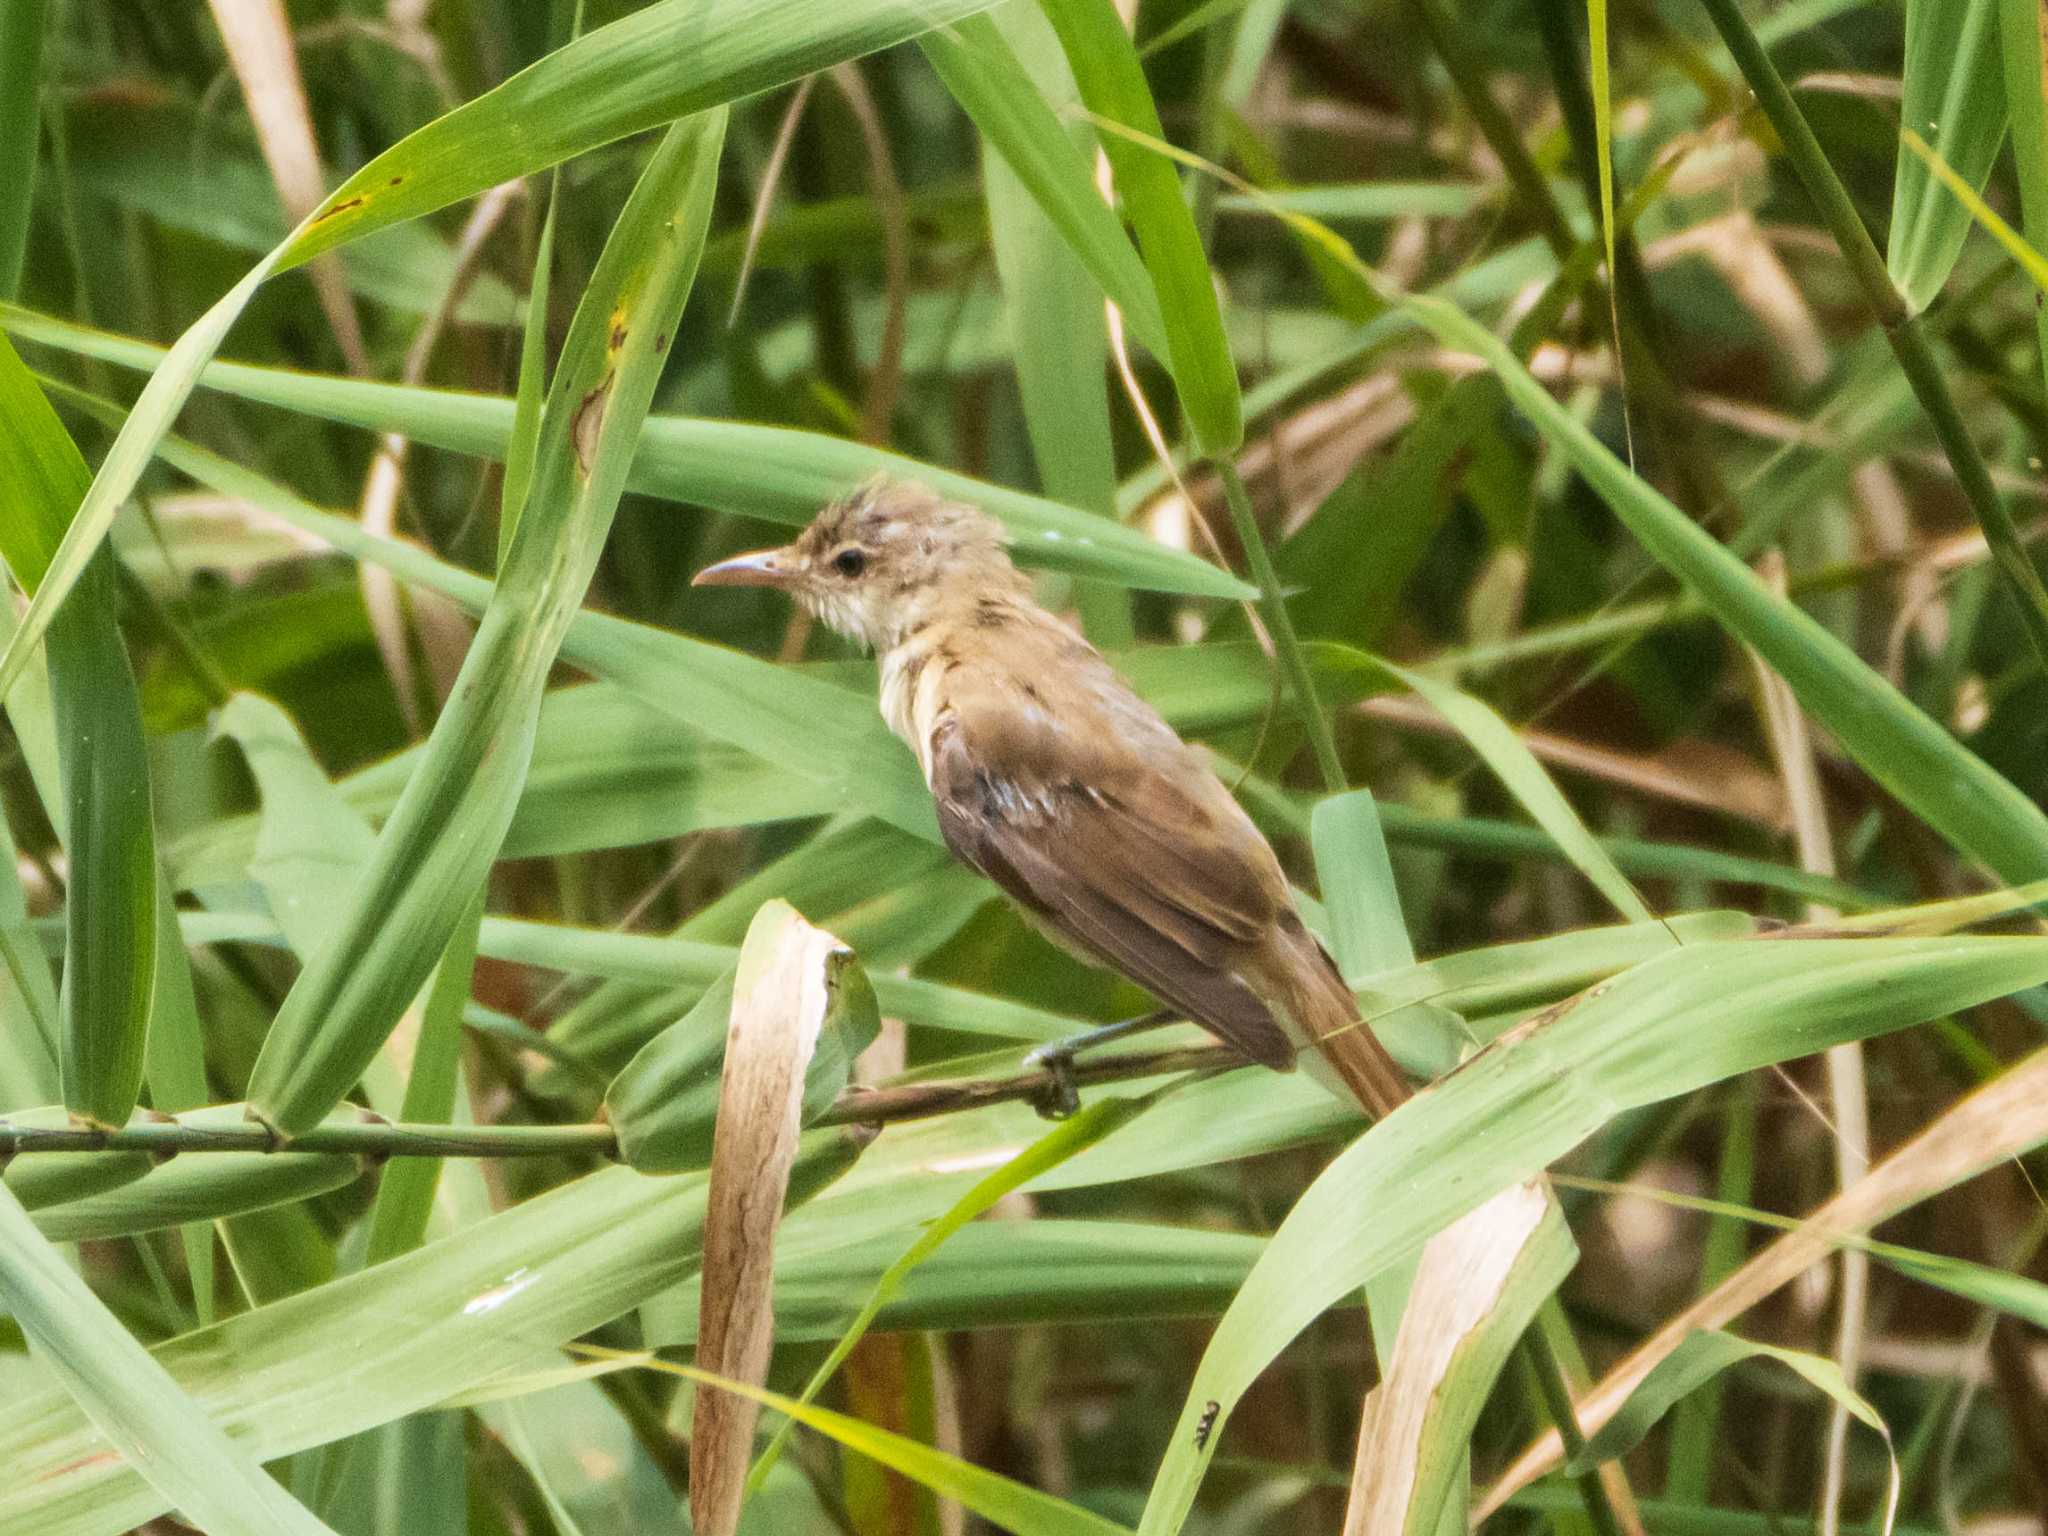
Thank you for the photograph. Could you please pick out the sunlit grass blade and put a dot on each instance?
(1075, 1135)
(779, 474)
(447, 826)
(1112, 83)
(2020, 48)
(2030, 260)
(1706, 1355)
(1012, 1506)
(107, 824)
(1688, 1017)
(648, 68)
(1953, 94)
(130, 1396)
(991, 85)
(1054, 309)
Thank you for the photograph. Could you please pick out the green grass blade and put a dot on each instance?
(174, 1060)
(530, 394)
(776, 473)
(405, 1191)
(447, 826)
(1942, 781)
(1688, 1017)
(1367, 932)
(200, 1189)
(1056, 320)
(22, 27)
(1699, 1359)
(28, 996)
(1519, 772)
(1006, 1504)
(108, 831)
(651, 67)
(132, 1398)
(2020, 47)
(1954, 96)
(993, 87)
(1603, 125)
(162, 398)
(1073, 1136)
(1112, 83)
(2029, 258)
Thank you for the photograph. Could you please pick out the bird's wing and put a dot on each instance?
(1149, 866)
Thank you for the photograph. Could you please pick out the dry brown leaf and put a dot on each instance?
(1467, 1271)
(1999, 1121)
(779, 1003)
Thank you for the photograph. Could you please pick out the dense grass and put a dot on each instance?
(1573, 467)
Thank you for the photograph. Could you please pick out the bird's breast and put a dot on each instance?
(914, 691)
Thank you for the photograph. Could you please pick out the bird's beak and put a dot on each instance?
(762, 568)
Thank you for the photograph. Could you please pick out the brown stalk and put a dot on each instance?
(258, 38)
(1792, 746)
(384, 483)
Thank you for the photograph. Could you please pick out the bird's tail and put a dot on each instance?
(1343, 1054)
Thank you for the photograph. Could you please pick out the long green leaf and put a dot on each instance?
(1942, 781)
(654, 66)
(2026, 100)
(200, 1188)
(778, 474)
(142, 1412)
(1112, 83)
(1688, 1017)
(1055, 315)
(1700, 1358)
(22, 27)
(447, 826)
(1954, 97)
(992, 85)
(110, 936)
(1009, 1505)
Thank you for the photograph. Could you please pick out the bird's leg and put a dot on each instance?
(1063, 1094)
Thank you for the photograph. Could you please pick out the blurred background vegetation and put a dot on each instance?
(876, 276)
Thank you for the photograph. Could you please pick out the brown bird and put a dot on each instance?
(1057, 782)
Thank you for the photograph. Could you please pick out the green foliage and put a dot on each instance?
(1519, 361)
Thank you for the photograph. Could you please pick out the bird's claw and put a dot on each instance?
(1061, 1095)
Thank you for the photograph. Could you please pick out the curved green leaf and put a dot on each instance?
(445, 830)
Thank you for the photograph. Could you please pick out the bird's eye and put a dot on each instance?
(849, 562)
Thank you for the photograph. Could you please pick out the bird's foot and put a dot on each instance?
(1061, 1095)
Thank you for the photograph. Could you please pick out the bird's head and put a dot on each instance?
(882, 561)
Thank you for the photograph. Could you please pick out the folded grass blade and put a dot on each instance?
(446, 828)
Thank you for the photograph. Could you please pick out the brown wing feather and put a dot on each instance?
(1116, 858)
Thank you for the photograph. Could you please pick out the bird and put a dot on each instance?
(1052, 777)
